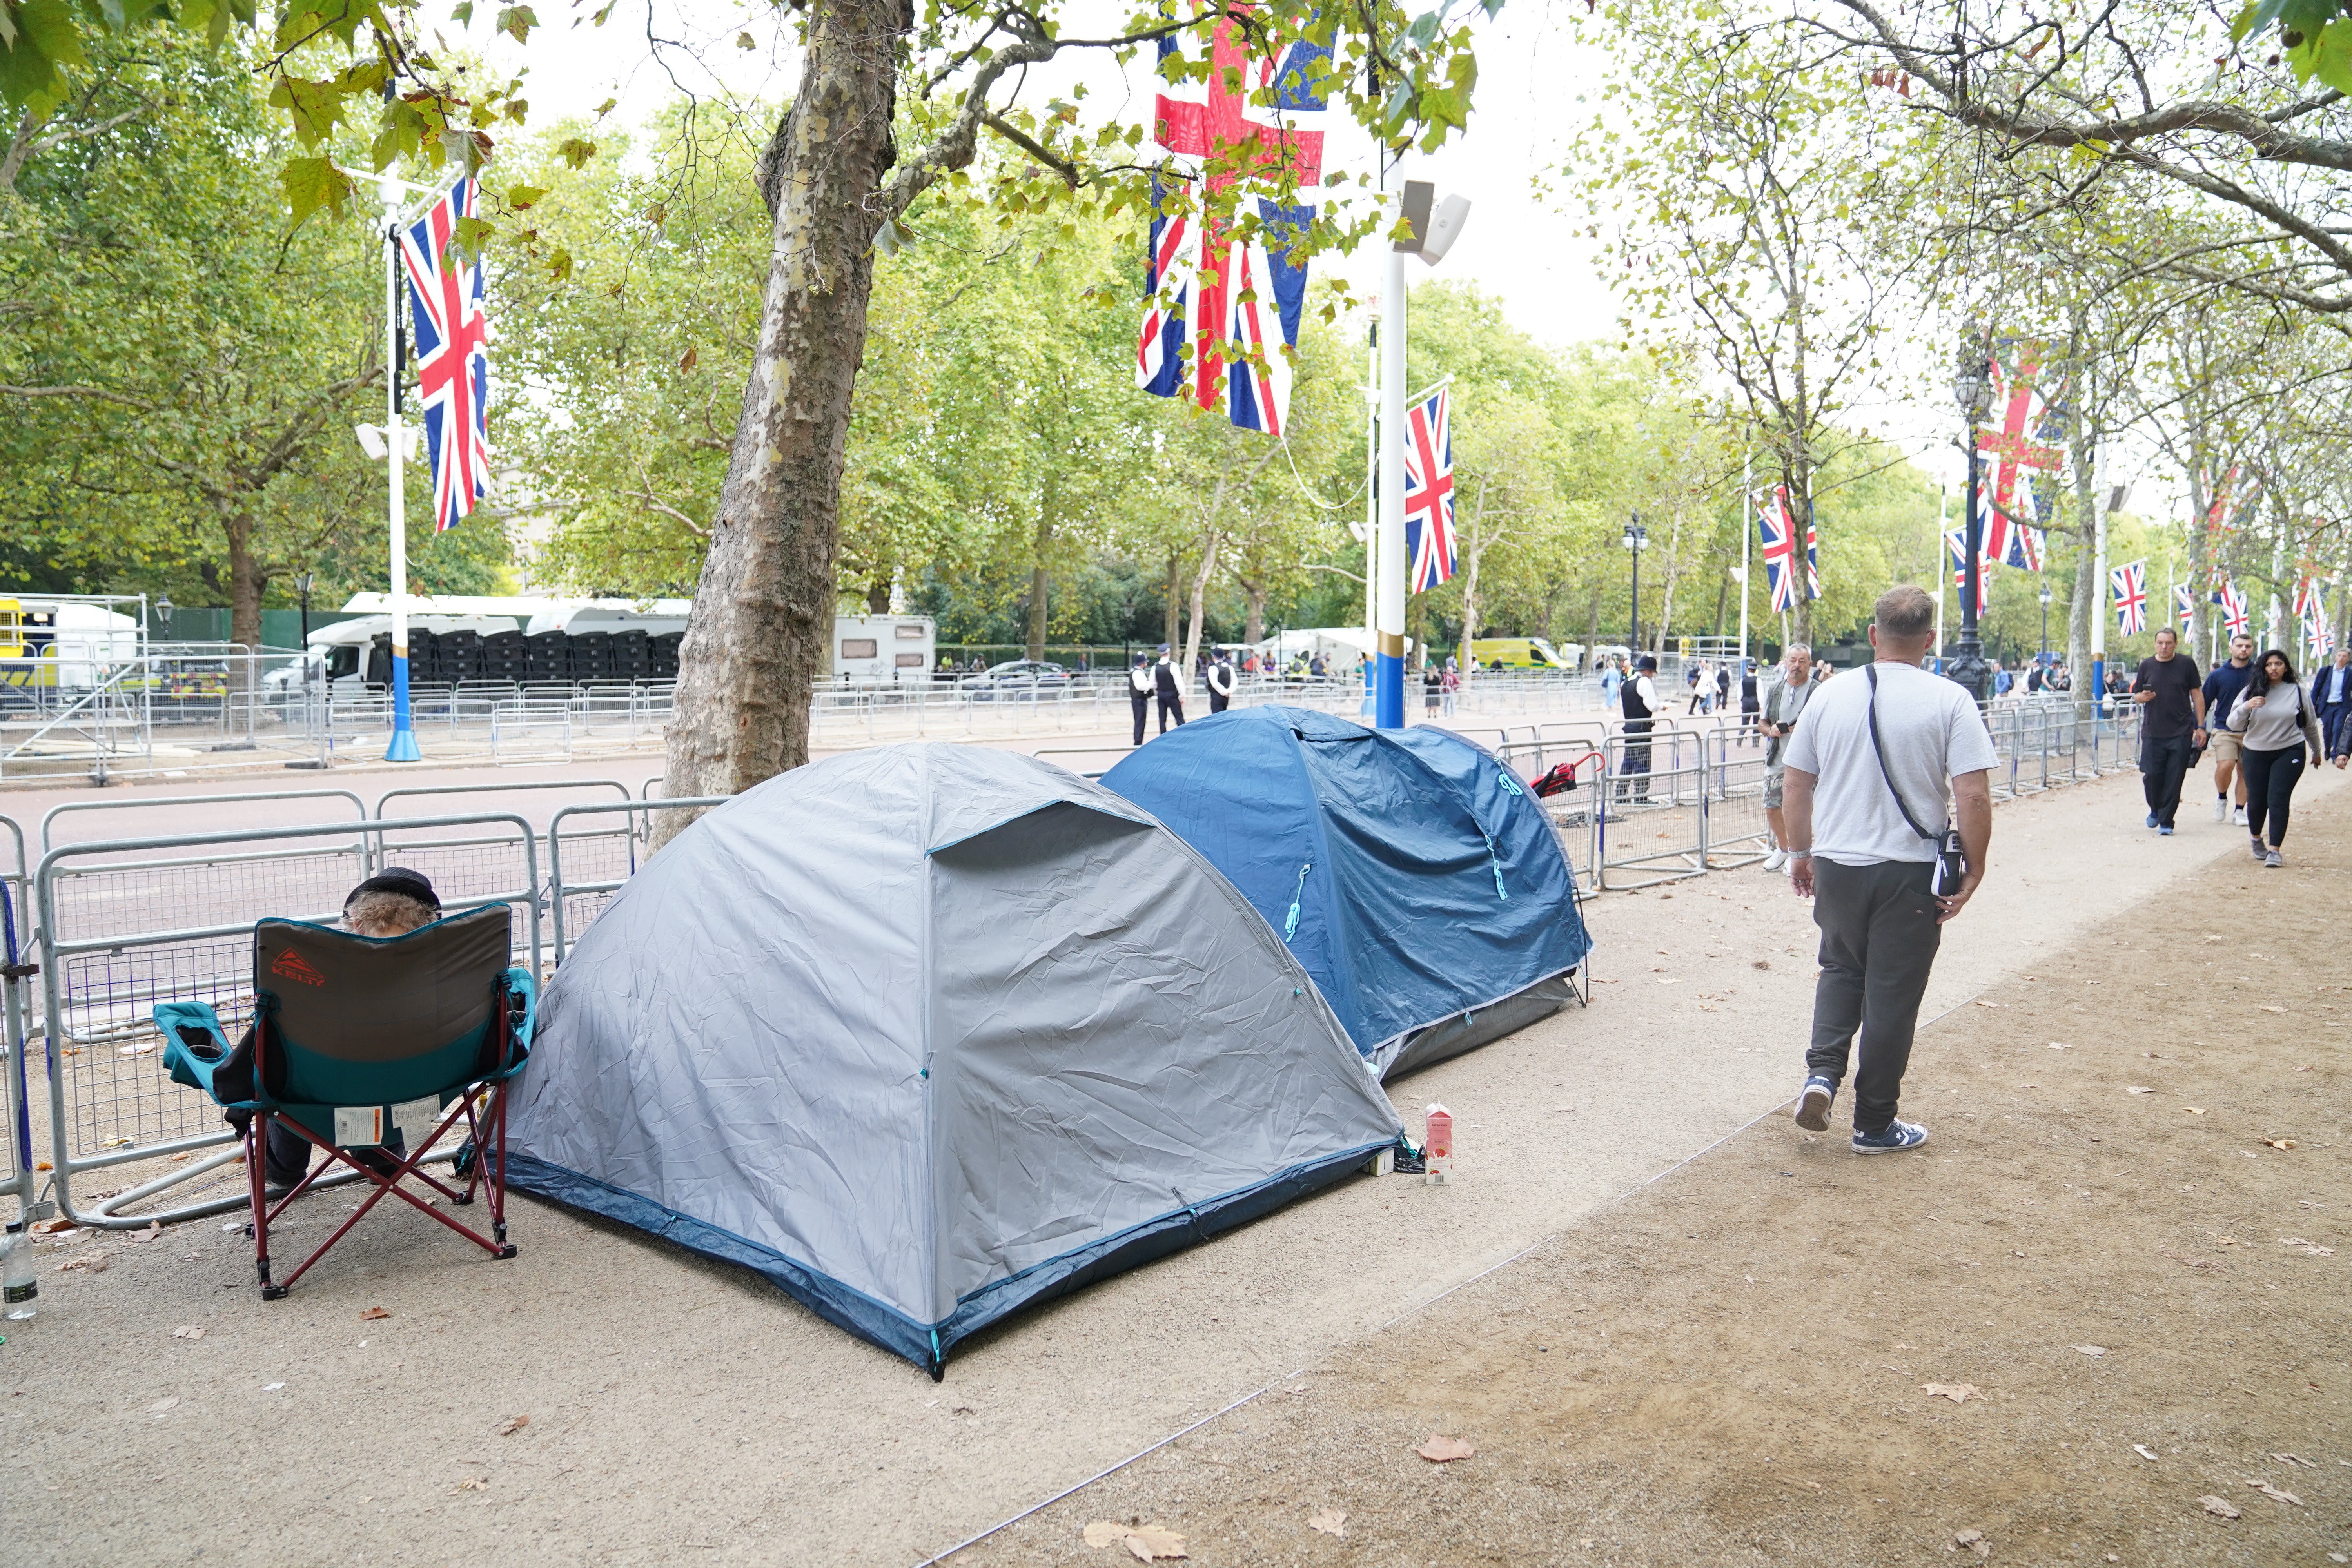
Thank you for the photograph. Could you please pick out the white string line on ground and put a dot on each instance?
(1146, 1452)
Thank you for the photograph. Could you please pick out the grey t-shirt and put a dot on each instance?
(1930, 730)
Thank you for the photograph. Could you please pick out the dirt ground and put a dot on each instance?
(2125, 1244)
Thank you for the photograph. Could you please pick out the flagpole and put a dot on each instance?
(403, 748)
(1747, 526)
(1388, 658)
(2099, 577)
(1943, 506)
(1371, 516)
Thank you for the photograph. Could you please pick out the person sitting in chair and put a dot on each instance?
(392, 903)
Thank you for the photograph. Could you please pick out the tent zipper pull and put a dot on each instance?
(1494, 865)
(1510, 785)
(1290, 926)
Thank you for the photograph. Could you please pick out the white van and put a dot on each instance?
(335, 656)
(882, 650)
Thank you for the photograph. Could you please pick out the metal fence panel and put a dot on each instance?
(1651, 826)
(585, 869)
(127, 923)
(16, 1156)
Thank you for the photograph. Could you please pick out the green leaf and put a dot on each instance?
(558, 266)
(463, 11)
(316, 108)
(521, 198)
(42, 38)
(517, 21)
(2328, 57)
(575, 151)
(311, 184)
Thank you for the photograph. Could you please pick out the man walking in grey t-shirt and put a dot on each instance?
(1868, 769)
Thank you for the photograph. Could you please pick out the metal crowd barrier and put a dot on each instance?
(611, 859)
(16, 1123)
(49, 818)
(106, 961)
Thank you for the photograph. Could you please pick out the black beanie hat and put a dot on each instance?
(398, 879)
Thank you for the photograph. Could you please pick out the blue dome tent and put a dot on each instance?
(1414, 875)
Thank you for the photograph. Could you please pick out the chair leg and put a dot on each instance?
(256, 1144)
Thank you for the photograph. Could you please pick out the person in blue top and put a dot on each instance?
(1611, 679)
(2223, 689)
(2331, 693)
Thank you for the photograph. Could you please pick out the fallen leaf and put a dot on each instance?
(2138, 1089)
(2194, 1110)
(1150, 1540)
(1444, 1450)
(187, 1331)
(2218, 1509)
(512, 1425)
(2278, 1143)
(2294, 1459)
(152, 1045)
(2092, 1350)
(1982, 1003)
(474, 1484)
(374, 1315)
(2267, 1008)
(2272, 1492)
(91, 1262)
(1104, 1532)
(1330, 1521)
(160, 1405)
(2056, 1047)
(154, 1229)
(55, 1227)
(2144, 1452)
(1958, 1392)
(1762, 963)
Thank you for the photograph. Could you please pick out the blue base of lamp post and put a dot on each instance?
(403, 747)
(1388, 704)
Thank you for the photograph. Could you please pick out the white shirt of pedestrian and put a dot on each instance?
(1930, 730)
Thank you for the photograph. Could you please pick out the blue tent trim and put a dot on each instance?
(928, 1344)
(1411, 872)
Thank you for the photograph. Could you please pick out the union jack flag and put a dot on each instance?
(1779, 530)
(1234, 299)
(2232, 600)
(2184, 604)
(1429, 490)
(2130, 583)
(1956, 541)
(453, 361)
(2306, 599)
(2320, 638)
(2023, 450)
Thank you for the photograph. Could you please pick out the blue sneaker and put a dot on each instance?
(1898, 1135)
(1813, 1102)
(2164, 832)
(2151, 819)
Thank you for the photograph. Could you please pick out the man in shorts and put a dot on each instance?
(2223, 686)
(1784, 699)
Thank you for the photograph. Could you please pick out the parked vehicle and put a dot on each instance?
(1019, 680)
(882, 650)
(1518, 653)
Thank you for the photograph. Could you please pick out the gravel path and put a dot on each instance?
(683, 1411)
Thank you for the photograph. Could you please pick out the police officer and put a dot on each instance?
(1221, 682)
(1168, 682)
(1639, 698)
(1139, 694)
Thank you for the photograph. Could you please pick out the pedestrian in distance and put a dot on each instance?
(1784, 704)
(1752, 703)
(2331, 693)
(2223, 687)
(1168, 684)
(1221, 682)
(1869, 772)
(1432, 689)
(2281, 729)
(1690, 677)
(1139, 694)
(1453, 686)
(1722, 688)
(2171, 725)
(1612, 677)
(1638, 696)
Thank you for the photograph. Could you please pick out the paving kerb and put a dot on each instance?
(676, 1404)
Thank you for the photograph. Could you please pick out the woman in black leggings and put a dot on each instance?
(2281, 735)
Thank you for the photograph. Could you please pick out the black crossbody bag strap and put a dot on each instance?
(1879, 752)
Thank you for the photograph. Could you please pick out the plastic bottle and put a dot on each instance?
(18, 1288)
(1437, 1144)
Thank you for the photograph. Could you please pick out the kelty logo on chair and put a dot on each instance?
(294, 966)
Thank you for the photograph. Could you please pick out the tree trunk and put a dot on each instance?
(877, 596)
(2088, 596)
(1470, 559)
(1593, 620)
(1040, 582)
(764, 605)
(1254, 612)
(246, 579)
(1172, 598)
(1209, 540)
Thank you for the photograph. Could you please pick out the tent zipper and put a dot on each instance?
(1290, 926)
(1494, 865)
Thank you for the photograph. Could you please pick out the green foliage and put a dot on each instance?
(2315, 34)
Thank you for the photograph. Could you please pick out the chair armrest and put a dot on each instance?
(192, 1063)
(519, 984)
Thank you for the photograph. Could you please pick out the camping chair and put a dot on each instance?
(358, 1042)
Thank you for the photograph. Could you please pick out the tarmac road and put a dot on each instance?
(681, 1411)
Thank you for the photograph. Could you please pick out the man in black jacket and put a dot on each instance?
(1221, 682)
(1169, 684)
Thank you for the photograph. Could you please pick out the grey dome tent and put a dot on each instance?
(926, 1034)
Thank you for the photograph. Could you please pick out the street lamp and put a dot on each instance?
(1972, 385)
(303, 582)
(1637, 539)
(164, 613)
